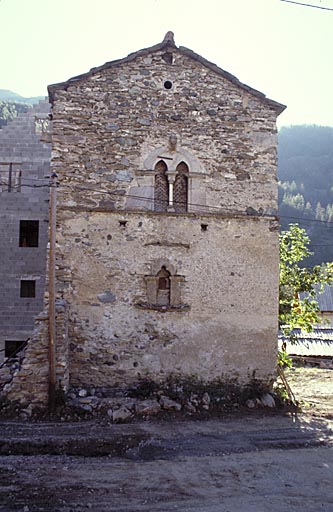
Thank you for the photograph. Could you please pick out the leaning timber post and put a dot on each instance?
(52, 312)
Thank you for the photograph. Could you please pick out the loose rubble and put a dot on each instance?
(120, 407)
(144, 400)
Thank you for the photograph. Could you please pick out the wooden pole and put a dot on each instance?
(52, 312)
(287, 387)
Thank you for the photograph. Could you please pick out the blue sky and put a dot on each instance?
(281, 49)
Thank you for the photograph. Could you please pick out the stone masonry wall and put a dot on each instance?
(106, 125)
(228, 323)
(110, 128)
(29, 384)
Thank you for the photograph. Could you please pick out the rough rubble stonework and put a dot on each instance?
(30, 383)
(213, 312)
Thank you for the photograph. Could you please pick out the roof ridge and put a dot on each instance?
(168, 41)
(169, 38)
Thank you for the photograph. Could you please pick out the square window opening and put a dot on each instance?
(29, 233)
(28, 289)
(12, 347)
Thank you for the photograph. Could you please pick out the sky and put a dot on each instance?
(281, 49)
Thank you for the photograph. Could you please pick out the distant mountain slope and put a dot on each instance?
(12, 104)
(6, 95)
(9, 110)
(305, 172)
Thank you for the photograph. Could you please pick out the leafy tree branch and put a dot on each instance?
(295, 311)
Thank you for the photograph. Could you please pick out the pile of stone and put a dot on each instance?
(10, 369)
(145, 400)
(121, 408)
(266, 400)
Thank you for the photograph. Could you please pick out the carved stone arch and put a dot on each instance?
(176, 155)
(163, 287)
(182, 168)
(173, 158)
(157, 264)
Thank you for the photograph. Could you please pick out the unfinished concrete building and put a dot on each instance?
(24, 194)
(167, 235)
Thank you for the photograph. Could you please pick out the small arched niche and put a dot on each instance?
(163, 287)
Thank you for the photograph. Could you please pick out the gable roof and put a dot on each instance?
(168, 44)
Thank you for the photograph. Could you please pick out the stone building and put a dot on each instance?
(167, 235)
(24, 169)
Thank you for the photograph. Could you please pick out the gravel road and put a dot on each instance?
(255, 462)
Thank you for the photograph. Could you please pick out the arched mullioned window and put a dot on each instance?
(161, 187)
(163, 287)
(180, 188)
(186, 191)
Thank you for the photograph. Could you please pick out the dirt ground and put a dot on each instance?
(259, 461)
(313, 387)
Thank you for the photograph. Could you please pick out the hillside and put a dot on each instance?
(306, 185)
(6, 95)
(9, 110)
(12, 104)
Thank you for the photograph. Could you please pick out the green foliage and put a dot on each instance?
(9, 110)
(295, 311)
(284, 360)
(281, 392)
